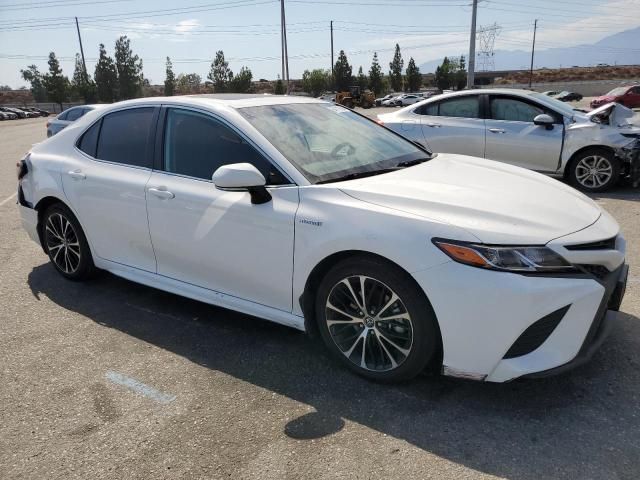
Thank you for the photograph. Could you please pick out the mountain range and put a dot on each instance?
(621, 48)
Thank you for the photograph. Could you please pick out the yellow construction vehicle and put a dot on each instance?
(355, 98)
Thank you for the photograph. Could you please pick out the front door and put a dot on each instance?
(218, 239)
(513, 138)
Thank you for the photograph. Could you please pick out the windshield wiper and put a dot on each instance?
(353, 176)
(411, 163)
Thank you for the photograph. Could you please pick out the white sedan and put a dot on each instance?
(310, 215)
(528, 129)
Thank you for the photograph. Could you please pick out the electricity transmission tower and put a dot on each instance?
(486, 40)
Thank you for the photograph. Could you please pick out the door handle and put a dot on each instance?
(77, 175)
(433, 125)
(161, 192)
(497, 130)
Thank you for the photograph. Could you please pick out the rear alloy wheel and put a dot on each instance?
(594, 170)
(66, 243)
(376, 320)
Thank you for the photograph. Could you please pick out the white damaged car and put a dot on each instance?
(528, 129)
(307, 214)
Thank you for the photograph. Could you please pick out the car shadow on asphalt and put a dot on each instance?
(582, 424)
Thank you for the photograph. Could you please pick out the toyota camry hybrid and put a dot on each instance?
(307, 214)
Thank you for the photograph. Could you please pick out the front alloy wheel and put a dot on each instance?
(375, 319)
(369, 323)
(594, 171)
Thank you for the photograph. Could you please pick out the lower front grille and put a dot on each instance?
(598, 271)
(536, 334)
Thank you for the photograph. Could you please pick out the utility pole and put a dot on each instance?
(533, 49)
(282, 37)
(472, 47)
(285, 59)
(333, 79)
(84, 65)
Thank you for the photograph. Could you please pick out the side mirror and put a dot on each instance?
(544, 120)
(242, 176)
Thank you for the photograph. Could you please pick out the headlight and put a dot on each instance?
(512, 259)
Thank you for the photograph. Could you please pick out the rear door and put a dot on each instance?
(105, 183)
(513, 138)
(454, 125)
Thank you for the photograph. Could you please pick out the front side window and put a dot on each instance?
(63, 115)
(513, 110)
(125, 137)
(464, 107)
(196, 145)
(327, 142)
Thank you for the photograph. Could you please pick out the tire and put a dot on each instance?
(66, 243)
(397, 345)
(594, 160)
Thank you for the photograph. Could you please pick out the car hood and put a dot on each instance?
(618, 115)
(497, 203)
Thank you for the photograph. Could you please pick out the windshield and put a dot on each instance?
(328, 142)
(617, 91)
(557, 105)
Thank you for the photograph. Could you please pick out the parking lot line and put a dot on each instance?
(7, 199)
(139, 387)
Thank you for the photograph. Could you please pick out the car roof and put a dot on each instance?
(233, 100)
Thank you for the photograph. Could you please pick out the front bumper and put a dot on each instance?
(483, 313)
(629, 156)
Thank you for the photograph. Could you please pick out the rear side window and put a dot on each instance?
(513, 110)
(125, 137)
(74, 114)
(196, 145)
(89, 141)
(464, 107)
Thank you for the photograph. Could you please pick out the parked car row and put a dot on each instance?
(403, 99)
(527, 129)
(14, 113)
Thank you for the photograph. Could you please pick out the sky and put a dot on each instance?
(248, 31)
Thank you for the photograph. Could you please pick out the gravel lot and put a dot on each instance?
(236, 397)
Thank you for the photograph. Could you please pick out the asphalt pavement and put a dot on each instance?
(109, 379)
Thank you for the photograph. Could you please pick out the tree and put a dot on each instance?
(461, 74)
(342, 71)
(129, 67)
(170, 80)
(316, 81)
(443, 74)
(279, 87)
(106, 77)
(362, 79)
(220, 73)
(414, 79)
(241, 83)
(375, 76)
(188, 83)
(55, 82)
(395, 70)
(34, 77)
(81, 83)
